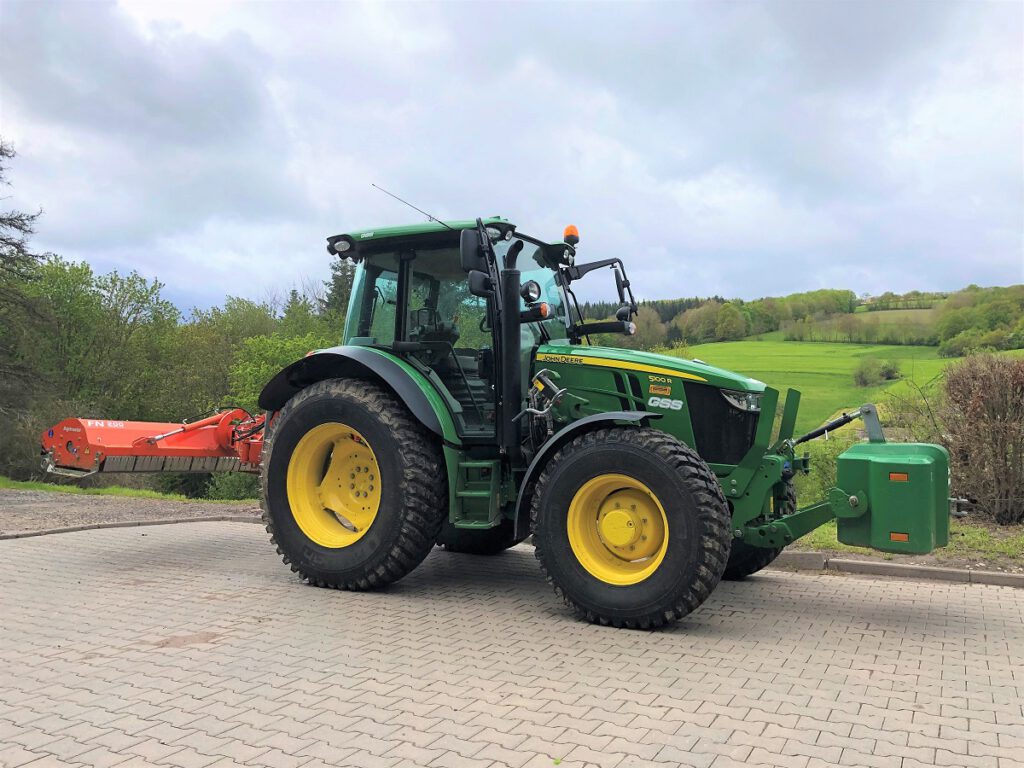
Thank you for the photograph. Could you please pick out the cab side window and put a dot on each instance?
(382, 309)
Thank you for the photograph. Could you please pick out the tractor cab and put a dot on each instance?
(412, 297)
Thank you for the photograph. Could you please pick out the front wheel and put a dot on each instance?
(630, 526)
(351, 495)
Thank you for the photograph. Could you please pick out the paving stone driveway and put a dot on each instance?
(191, 645)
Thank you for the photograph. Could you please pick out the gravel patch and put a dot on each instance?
(22, 511)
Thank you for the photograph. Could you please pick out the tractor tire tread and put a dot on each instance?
(426, 498)
(714, 517)
(745, 560)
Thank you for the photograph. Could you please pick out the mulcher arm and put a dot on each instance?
(230, 440)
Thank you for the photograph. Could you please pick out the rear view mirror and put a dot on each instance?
(471, 252)
(620, 286)
(479, 282)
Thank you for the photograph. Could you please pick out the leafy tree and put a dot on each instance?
(650, 332)
(261, 357)
(698, 325)
(203, 351)
(730, 323)
(18, 309)
(104, 343)
(334, 304)
(299, 317)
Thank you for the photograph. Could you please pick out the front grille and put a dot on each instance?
(722, 432)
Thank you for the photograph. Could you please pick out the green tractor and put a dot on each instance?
(467, 408)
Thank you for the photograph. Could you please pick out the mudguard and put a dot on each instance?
(564, 435)
(415, 392)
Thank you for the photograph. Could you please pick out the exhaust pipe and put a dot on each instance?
(511, 362)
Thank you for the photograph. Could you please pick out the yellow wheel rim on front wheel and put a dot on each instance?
(618, 529)
(333, 485)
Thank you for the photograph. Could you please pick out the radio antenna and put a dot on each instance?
(419, 210)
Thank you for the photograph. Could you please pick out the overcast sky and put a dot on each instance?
(743, 149)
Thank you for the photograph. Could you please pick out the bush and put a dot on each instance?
(867, 372)
(233, 486)
(962, 344)
(190, 484)
(871, 371)
(21, 430)
(983, 421)
(912, 413)
(815, 485)
(890, 370)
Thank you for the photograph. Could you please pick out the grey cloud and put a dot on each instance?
(738, 148)
(86, 64)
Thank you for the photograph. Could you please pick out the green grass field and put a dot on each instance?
(900, 315)
(113, 490)
(823, 372)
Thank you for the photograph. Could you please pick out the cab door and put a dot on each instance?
(455, 339)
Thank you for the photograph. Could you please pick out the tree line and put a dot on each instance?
(74, 342)
(972, 320)
(676, 322)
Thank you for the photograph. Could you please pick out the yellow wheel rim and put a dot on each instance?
(333, 485)
(618, 529)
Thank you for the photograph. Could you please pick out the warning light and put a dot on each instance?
(893, 536)
(899, 477)
(571, 235)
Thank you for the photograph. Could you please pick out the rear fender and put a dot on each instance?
(425, 404)
(409, 386)
(560, 438)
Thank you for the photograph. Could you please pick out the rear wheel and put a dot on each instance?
(630, 526)
(351, 496)
(745, 560)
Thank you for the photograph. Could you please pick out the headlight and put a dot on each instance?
(340, 246)
(744, 401)
(493, 233)
(530, 291)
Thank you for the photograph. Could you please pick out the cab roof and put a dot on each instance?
(425, 228)
(437, 229)
(364, 242)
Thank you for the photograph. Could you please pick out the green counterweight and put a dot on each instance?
(893, 497)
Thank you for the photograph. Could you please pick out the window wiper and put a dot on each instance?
(579, 314)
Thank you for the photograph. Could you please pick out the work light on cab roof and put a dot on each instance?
(467, 406)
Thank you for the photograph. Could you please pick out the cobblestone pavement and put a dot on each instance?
(192, 645)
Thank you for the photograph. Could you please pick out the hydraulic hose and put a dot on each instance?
(846, 418)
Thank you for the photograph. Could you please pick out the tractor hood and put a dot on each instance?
(648, 362)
